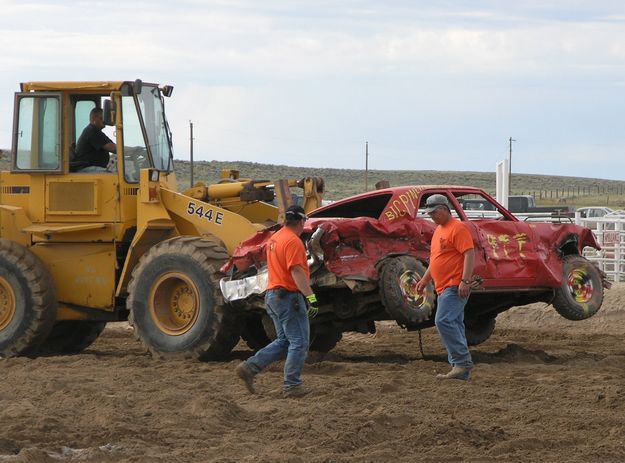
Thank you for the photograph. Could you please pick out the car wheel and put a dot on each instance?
(398, 280)
(324, 339)
(260, 331)
(479, 329)
(581, 293)
(256, 332)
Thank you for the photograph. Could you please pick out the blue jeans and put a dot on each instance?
(290, 318)
(450, 323)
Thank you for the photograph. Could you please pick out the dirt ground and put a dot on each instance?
(544, 389)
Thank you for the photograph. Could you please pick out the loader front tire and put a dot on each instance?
(28, 302)
(175, 303)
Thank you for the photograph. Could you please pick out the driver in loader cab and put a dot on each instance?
(93, 146)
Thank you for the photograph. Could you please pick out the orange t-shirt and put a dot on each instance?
(449, 243)
(285, 250)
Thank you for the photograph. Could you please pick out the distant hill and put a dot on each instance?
(345, 182)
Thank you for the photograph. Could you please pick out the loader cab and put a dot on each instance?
(50, 117)
(48, 120)
(81, 224)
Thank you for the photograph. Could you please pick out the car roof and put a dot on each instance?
(402, 189)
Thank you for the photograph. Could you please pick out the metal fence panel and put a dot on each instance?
(610, 233)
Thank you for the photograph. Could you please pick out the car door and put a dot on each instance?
(506, 253)
(482, 267)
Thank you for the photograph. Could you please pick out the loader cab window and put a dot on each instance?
(135, 153)
(146, 136)
(82, 109)
(156, 128)
(37, 133)
(81, 116)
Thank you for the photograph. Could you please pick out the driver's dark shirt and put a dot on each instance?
(89, 147)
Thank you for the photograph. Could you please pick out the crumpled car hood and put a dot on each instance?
(351, 247)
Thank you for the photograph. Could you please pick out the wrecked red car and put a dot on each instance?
(368, 251)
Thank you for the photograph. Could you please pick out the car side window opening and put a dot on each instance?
(478, 207)
(370, 206)
(423, 215)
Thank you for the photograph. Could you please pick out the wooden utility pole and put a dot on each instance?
(191, 150)
(366, 166)
(510, 167)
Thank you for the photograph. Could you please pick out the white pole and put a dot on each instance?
(502, 186)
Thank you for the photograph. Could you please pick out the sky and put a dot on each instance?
(430, 85)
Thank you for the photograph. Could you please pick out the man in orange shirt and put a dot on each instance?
(289, 284)
(451, 267)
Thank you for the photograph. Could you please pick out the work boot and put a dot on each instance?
(461, 373)
(244, 372)
(296, 391)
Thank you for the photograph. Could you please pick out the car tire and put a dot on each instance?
(255, 331)
(324, 339)
(581, 293)
(398, 279)
(259, 331)
(479, 329)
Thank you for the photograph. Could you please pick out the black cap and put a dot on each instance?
(295, 213)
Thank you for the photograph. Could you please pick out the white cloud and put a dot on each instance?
(307, 83)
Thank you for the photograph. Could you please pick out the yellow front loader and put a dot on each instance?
(80, 249)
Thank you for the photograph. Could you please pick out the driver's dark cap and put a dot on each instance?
(295, 213)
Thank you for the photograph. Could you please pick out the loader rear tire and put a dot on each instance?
(71, 336)
(28, 302)
(174, 300)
